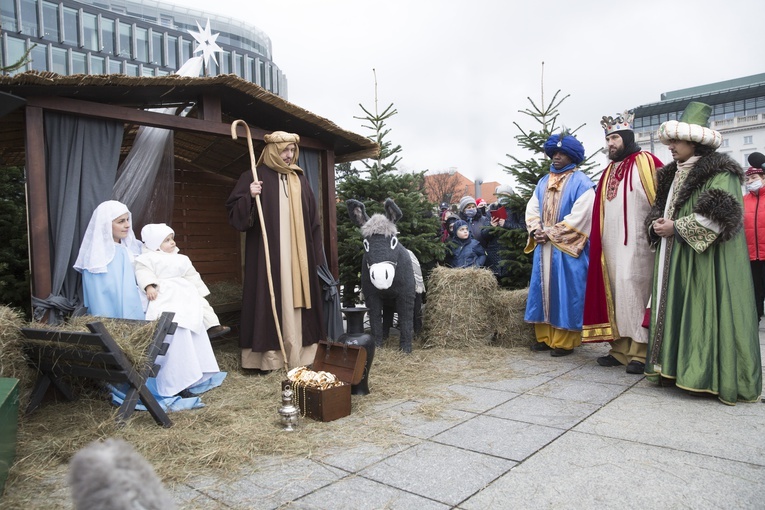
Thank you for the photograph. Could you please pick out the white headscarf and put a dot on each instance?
(97, 248)
(153, 234)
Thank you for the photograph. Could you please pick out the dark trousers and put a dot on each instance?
(758, 277)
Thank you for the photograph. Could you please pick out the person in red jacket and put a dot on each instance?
(754, 227)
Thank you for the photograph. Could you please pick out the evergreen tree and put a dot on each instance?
(527, 173)
(14, 259)
(343, 170)
(418, 228)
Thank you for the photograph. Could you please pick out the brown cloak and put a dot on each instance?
(257, 328)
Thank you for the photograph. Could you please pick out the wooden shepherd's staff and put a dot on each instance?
(253, 166)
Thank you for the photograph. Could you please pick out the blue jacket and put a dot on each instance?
(476, 225)
(466, 253)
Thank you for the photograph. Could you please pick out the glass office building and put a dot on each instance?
(136, 37)
(738, 113)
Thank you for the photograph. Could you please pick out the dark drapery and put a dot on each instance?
(309, 161)
(81, 156)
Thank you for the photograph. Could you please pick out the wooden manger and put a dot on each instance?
(95, 355)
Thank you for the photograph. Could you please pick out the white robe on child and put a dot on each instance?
(190, 359)
(180, 288)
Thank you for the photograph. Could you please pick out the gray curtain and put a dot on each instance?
(81, 157)
(308, 160)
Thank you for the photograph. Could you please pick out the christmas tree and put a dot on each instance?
(378, 180)
(516, 264)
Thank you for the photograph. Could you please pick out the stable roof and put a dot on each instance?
(215, 101)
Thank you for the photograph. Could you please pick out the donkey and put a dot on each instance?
(387, 274)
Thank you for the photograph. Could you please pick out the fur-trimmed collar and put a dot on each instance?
(704, 169)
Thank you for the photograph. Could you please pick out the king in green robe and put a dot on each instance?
(704, 331)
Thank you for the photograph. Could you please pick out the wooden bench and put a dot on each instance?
(95, 355)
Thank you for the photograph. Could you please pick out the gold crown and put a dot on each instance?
(622, 122)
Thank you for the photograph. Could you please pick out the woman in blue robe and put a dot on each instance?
(110, 290)
(106, 263)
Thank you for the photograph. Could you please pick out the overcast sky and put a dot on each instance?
(459, 71)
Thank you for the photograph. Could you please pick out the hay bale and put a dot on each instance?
(508, 308)
(12, 362)
(457, 315)
(466, 308)
(132, 337)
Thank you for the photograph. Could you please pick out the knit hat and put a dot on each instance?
(480, 202)
(755, 170)
(466, 201)
(569, 146)
(153, 234)
(692, 127)
(621, 122)
(458, 224)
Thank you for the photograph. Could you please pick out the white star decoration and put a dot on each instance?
(207, 44)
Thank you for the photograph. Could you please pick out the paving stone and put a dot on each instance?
(508, 439)
(276, 482)
(551, 412)
(414, 420)
(519, 383)
(568, 388)
(355, 492)
(583, 471)
(671, 418)
(363, 455)
(439, 472)
(541, 363)
(478, 400)
(608, 375)
(189, 498)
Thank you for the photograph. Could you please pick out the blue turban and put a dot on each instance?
(569, 146)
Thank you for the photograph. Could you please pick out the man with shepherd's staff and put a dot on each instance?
(281, 320)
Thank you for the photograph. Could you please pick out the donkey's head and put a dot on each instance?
(381, 247)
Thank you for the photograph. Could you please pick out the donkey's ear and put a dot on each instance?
(392, 212)
(357, 212)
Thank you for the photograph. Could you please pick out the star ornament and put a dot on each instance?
(206, 43)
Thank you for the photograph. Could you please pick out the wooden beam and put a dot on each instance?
(210, 108)
(153, 119)
(37, 204)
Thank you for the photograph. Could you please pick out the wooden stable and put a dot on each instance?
(207, 160)
(203, 232)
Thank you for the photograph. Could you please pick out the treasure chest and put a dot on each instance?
(347, 363)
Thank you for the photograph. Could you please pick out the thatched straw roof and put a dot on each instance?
(239, 99)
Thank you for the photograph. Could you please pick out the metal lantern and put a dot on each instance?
(288, 413)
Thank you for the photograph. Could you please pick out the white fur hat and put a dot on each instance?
(153, 234)
(691, 127)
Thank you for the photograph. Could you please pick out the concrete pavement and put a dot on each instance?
(559, 433)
